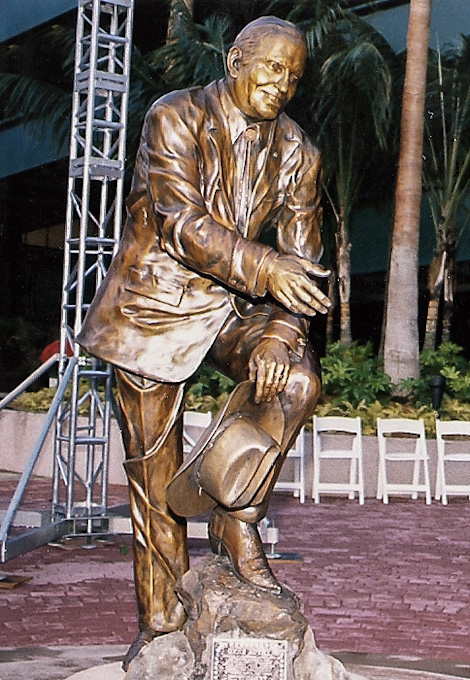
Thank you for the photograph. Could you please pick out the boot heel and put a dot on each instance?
(216, 545)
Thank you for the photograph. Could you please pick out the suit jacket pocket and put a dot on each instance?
(145, 282)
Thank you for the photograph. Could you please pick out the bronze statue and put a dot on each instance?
(217, 167)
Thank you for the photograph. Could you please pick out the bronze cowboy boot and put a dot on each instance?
(232, 470)
(241, 543)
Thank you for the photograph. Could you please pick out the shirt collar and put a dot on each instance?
(237, 121)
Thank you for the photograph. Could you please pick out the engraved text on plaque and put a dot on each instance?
(249, 659)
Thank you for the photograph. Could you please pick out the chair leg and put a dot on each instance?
(316, 480)
(438, 493)
(441, 481)
(416, 471)
(352, 478)
(427, 482)
(360, 473)
(384, 495)
(381, 478)
(296, 477)
(302, 477)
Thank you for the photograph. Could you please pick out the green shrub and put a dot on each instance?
(354, 385)
(448, 361)
(208, 390)
(452, 410)
(352, 375)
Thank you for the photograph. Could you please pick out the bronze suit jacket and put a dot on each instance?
(181, 261)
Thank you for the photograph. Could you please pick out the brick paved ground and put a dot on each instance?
(389, 580)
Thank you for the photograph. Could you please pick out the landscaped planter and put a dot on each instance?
(19, 431)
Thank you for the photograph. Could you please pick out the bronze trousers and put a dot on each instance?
(151, 423)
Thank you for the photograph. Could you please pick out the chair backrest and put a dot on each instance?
(402, 432)
(400, 426)
(298, 447)
(337, 424)
(452, 428)
(194, 424)
(455, 433)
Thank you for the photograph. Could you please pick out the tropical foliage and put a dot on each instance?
(352, 374)
(448, 361)
(38, 92)
(446, 173)
(348, 103)
(352, 118)
(354, 384)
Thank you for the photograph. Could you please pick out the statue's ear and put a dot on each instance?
(234, 57)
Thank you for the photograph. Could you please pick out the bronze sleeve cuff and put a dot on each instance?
(249, 267)
(288, 334)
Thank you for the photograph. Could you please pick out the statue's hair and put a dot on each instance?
(250, 35)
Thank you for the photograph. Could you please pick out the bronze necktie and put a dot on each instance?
(246, 148)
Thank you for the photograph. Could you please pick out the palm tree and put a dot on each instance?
(352, 110)
(37, 92)
(446, 172)
(180, 10)
(41, 97)
(401, 345)
(196, 54)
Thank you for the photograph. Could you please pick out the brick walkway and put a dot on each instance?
(376, 579)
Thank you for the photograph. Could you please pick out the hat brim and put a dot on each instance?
(184, 495)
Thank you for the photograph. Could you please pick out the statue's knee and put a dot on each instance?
(304, 388)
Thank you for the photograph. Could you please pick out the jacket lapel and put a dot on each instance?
(220, 158)
(268, 171)
(278, 151)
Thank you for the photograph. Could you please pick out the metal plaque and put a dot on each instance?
(249, 659)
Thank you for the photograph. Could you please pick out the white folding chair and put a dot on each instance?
(402, 440)
(194, 425)
(338, 438)
(453, 446)
(297, 455)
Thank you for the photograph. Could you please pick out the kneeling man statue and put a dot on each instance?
(195, 281)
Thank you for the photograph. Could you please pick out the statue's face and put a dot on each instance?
(263, 82)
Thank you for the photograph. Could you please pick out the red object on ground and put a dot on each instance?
(51, 349)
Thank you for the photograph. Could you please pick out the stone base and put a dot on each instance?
(221, 607)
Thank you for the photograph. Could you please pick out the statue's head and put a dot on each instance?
(264, 65)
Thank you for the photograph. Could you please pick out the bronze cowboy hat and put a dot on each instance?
(231, 463)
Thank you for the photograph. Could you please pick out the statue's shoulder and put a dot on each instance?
(186, 102)
(292, 132)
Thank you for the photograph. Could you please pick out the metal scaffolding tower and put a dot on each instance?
(93, 225)
(81, 408)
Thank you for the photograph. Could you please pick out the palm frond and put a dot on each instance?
(356, 78)
(38, 104)
(197, 56)
(446, 167)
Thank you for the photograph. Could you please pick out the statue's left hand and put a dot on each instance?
(269, 367)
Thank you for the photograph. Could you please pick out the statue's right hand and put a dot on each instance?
(289, 281)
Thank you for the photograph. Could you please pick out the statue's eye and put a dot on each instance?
(275, 66)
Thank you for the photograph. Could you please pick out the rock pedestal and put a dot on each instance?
(235, 631)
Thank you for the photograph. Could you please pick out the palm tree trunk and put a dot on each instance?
(436, 274)
(431, 322)
(177, 21)
(449, 289)
(330, 318)
(401, 347)
(343, 247)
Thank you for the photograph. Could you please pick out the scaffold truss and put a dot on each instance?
(81, 408)
(93, 225)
